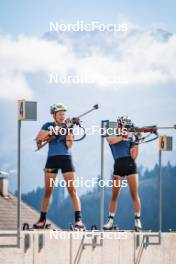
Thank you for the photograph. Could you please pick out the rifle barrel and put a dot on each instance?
(151, 128)
(173, 127)
(95, 107)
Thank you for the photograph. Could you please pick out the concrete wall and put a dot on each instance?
(62, 247)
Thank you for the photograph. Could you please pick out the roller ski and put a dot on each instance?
(39, 225)
(78, 226)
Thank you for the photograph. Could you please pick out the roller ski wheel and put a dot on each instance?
(94, 227)
(71, 227)
(25, 226)
(48, 226)
(115, 227)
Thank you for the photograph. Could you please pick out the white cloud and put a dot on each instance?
(14, 86)
(28, 55)
(141, 57)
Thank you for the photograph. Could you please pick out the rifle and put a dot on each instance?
(69, 124)
(150, 130)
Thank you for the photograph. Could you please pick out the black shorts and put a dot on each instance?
(124, 166)
(63, 162)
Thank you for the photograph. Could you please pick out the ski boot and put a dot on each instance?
(78, 226)
(41, 224)
(137, 224)
(110, 224)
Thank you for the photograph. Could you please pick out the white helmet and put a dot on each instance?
(125, 120)
(57, 107)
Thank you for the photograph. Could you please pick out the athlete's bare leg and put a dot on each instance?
(117, 181)
(48, 190)
(69, 178)
(133, 187)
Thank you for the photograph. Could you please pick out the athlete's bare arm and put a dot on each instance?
(134, 152)
(114, 140)
(69, 140)
(42, 135)
(135, 149)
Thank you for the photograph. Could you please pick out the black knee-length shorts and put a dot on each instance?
(125, 166)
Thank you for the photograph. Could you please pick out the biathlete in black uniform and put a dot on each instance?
(124, 152)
